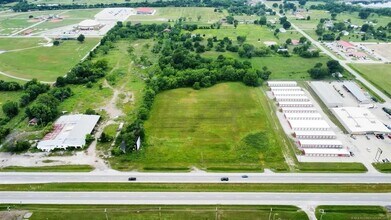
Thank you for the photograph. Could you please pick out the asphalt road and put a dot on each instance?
(298, 199)
(38, 177)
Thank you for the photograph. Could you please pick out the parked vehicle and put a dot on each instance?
(224, 179)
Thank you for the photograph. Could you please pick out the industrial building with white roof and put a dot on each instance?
(314, 135)
(360, 121)
(69, 131)
(327, 94)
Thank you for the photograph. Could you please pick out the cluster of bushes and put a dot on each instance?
(335, 7)
(304, 49)
(320, 72)
(9, 86)
(31, 90)
(84, 72)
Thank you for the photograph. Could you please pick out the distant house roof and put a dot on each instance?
(295, 42)
(145, 10)
(345, 44)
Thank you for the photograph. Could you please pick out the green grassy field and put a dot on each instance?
(59, 168)
(207, 15)
(293, 68)
(224, 127)
(383, 167)
(352, 212)
(8, 96)
(44, 63)
(376, 74)
(144, 212)
(200, 187)
(332, 167)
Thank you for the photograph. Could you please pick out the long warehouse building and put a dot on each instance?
(298, 110)
(288, 93)
(309, 125)
(328, 152)
(303, 116)
(320, 143)
(285, 89)
(292, 99)
(315, 135)
(281, 83)
(295, 104)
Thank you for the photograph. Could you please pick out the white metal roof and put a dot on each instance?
(295, 103)
(308, 124)
(292, 98)
(335, 151)
(286, 88)
(359, 120)
(299, 109)
(281, 83)
(303, 115)
(284, 93)
(327, 93)
(331, 133)
(88, 23)
(356, 91)
(320, 142)
(72, 131)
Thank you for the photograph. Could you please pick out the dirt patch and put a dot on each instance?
(381, 49)
(12, 215)
(33, 20)
(55, 20)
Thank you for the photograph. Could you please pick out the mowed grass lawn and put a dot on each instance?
(224, 127)
(352, 212)
(378, 74)
(191, 14)
(45, 63)
(177, 212)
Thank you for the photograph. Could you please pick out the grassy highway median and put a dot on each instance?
(200, 187)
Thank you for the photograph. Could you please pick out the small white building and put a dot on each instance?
(298, 110)
(320, 143)
(292, 99)
(288, 93)
(303, 116)
(293, 88)
(315, 135)
(309, 125)
(295, 104)
(327, 152)
(281, 83)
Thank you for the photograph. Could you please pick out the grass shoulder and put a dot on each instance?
(351, 212)
(59, 168)
(382, 167)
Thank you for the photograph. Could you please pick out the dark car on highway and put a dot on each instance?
(224, 179)
(132, 179)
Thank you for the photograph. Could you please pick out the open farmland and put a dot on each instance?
(43, 63)
(191, 14)
(378, 74)
(225, 127)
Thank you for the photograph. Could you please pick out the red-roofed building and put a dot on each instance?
(295, 42)
(345, 45)
(145, 11)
